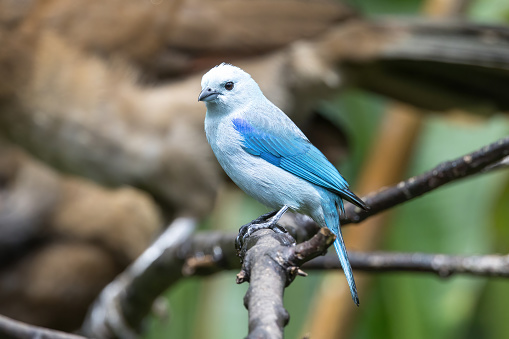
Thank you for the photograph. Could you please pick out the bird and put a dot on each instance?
(262, 150)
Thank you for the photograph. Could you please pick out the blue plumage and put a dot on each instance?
(268, 157)
(293, 154)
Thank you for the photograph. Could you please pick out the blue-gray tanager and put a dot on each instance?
(269, 157)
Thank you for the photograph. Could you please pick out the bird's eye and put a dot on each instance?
(228, 86)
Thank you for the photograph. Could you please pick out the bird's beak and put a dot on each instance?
(208, 94)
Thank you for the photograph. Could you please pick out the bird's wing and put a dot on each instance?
(294, 154)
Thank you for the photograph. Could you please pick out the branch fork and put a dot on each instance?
(270, 262)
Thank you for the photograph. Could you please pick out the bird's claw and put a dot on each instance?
(266, 221)
(248, 229)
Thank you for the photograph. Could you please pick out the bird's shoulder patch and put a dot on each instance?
(254, 141)
(242, 126)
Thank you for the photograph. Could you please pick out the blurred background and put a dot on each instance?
(102, 146)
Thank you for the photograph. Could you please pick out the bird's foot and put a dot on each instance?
(266, 221)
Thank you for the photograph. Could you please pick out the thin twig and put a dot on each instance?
(442, 264)
(442, 174)
(500, 165)
(13, 329)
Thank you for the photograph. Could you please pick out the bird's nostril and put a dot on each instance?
(208, 89)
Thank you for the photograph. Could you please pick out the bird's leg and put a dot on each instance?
(266, 221)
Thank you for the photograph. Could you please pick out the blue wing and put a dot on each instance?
(294, 154)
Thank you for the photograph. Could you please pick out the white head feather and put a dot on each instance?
(228, 88)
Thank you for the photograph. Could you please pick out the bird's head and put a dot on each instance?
(229, 87)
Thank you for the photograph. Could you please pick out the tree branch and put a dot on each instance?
(442, 264)
(13, 329)
(442, 174)
(271, 263)
(123, 304)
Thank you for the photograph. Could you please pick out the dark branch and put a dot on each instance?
(441, 264)
(414, 187)
(270, 264)
(13, 329)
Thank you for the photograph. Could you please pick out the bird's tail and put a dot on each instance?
(339, 244)
(332, 221)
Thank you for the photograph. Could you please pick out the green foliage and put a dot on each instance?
(490, 11)
(455, 219)
(359, 116)
(392, 7)
(183, 307)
